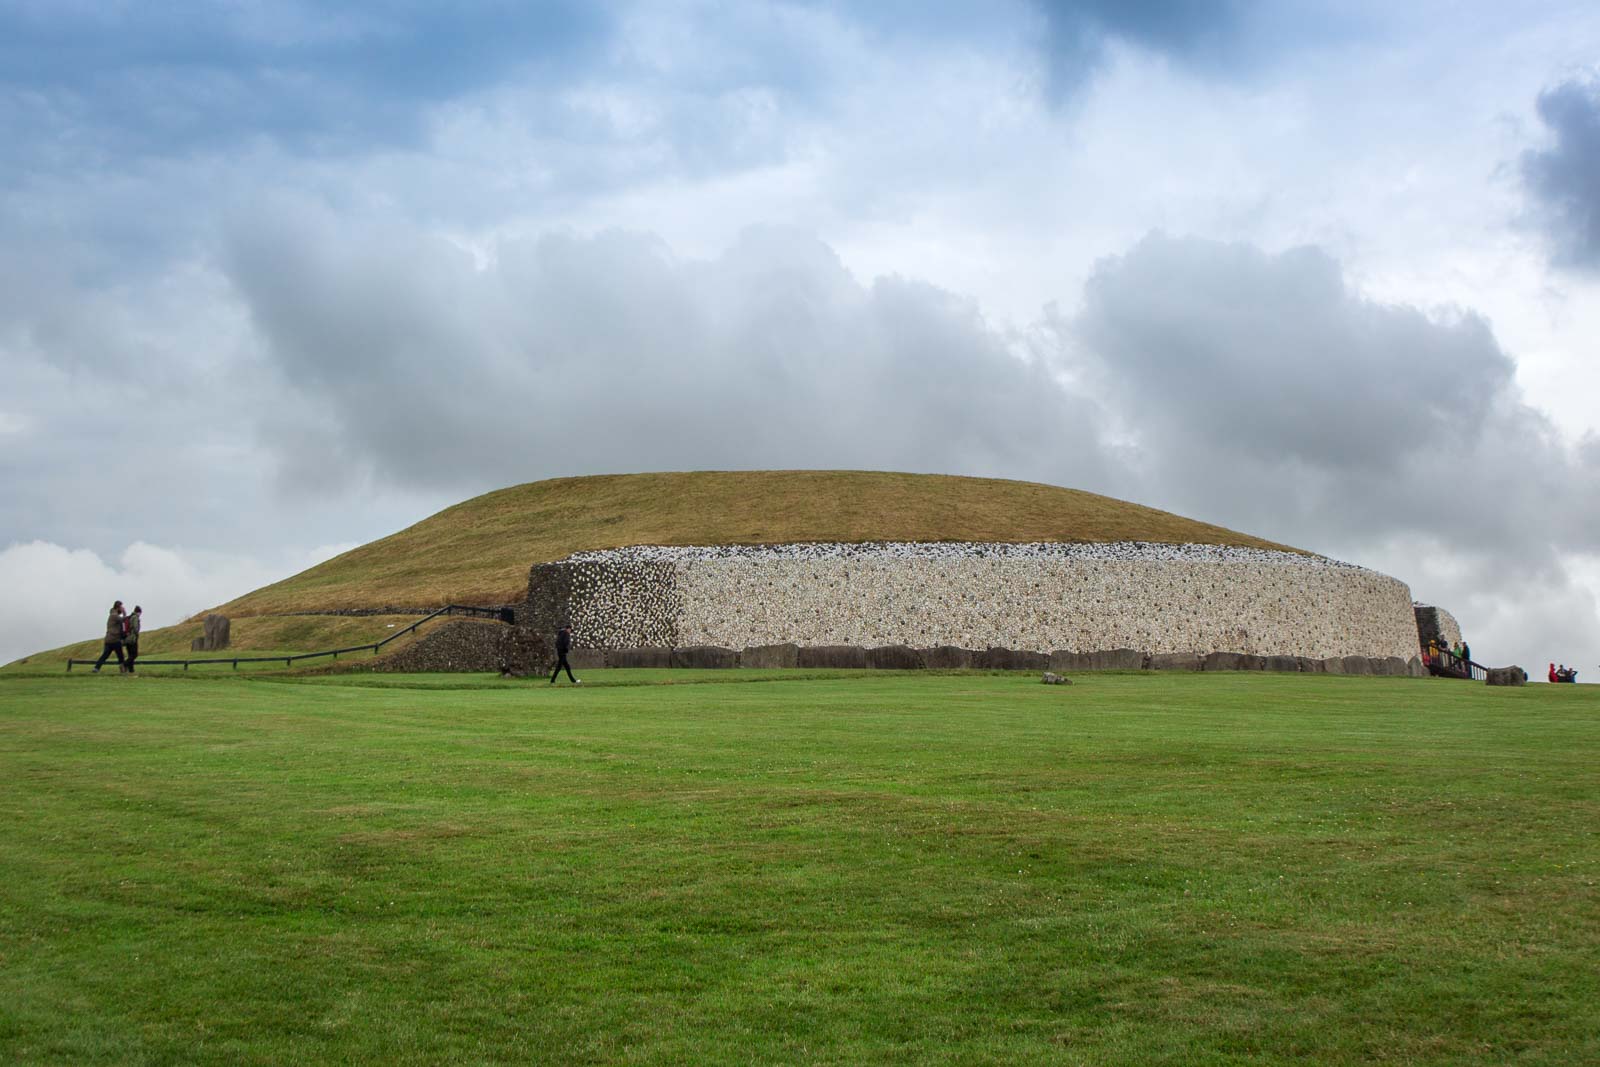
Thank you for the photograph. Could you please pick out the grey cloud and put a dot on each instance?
(1564, 179)
(1199, 32)
(1262, 388)
(574, 355)
(170, 78)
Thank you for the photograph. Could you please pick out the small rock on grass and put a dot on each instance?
(1051, 678)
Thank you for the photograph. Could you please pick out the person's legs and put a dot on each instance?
(561, 661)
(133, 654)
(105, 653)
(568, 666)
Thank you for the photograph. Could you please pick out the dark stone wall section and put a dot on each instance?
(770, 656)
(1116, 659)
(472, 646)
(948, 657)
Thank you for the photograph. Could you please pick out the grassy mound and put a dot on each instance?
(479, 551)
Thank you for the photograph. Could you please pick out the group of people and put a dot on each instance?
(1563, 673)
(1442, 654)
(122, 637)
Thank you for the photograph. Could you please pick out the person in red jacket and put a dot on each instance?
(1553, 672)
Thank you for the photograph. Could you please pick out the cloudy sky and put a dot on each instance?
(277, 278)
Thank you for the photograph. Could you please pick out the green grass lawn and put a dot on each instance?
(839, 868)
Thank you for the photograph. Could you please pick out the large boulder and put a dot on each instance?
(1506, 676)
(770, 656)
(704, 656)
(1283, 664)
(1010, 659)
(214, 634)
(639, 657)
(1116, 659)
(586, 659)
(947, 657)
(837, 656)
(895, 658)
(1175, 661)
(1391, 667)
(1232, 661)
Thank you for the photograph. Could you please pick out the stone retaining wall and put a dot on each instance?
(1162, 600)
(474, 646)
(948, 657)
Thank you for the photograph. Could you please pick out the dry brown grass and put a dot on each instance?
(479, 551)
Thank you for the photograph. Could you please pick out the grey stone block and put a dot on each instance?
(1175, 661)
(770, 656)
(586, 659)
(1051, 678)
(639, 657)
(832, 656)
(705, 657)
(1282, 664)
(1506, 676)
(1312, 666)
(1356, 665)
(895, 658)
(214, 634)
(947, 657)
(1115, 659)
(1010, 659)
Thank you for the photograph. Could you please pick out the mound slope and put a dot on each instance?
(479, 551)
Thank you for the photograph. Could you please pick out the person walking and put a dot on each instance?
(563, 646)
(130, 636)
(113, 638)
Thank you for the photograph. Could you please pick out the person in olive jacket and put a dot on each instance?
(113, 637)
(130, 636)
(563, 646)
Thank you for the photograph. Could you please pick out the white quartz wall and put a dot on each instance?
(1081, 598)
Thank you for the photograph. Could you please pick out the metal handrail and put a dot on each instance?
(469, 610)
(1451, 665)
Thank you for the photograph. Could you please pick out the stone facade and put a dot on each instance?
(1436, 622)
(998, 601)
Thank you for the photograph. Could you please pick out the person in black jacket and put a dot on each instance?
(563, 646)
(131, 625)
